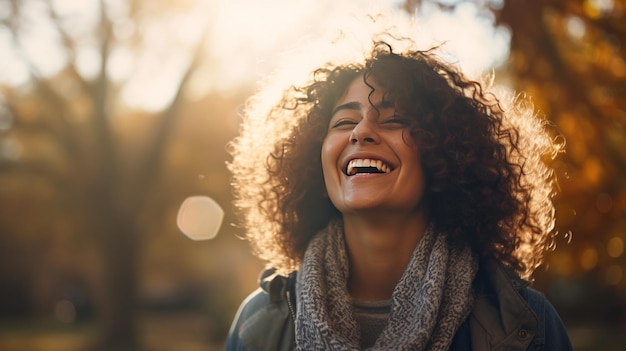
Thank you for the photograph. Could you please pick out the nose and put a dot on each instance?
(365, 132)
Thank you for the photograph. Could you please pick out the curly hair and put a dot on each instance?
(487, 183)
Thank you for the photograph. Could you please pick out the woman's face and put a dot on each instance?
(369, 159)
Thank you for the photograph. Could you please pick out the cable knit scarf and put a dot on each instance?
(432, 299)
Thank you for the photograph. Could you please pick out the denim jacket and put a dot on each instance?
(507, 315)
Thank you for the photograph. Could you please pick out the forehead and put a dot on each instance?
(360, 91)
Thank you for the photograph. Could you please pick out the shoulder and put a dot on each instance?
(263, 321)
(250, 306)
(551, 331)
(507, 310)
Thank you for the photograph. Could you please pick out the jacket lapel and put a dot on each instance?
(501, 318)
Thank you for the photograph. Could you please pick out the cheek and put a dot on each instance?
(324, 155)
(327, 163)
(329, 154)
(412, 157)
(419, 180)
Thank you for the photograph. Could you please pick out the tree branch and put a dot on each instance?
(99, 93)
(150, 166)
(69, 45)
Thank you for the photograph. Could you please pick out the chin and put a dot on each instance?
(357, 206)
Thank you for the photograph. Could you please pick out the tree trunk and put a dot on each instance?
(119, 241)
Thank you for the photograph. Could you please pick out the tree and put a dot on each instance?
(569, 57)
(60, 140)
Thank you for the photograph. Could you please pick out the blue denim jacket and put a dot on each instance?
(507, 315)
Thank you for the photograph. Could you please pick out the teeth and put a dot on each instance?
(379, 164)
(356, 163)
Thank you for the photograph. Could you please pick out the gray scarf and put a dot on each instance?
(432, 299)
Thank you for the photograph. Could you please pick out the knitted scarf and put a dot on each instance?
(432, 299)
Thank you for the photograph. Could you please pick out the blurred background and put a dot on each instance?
(112, 112)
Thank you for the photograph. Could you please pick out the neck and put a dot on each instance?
(379, 251)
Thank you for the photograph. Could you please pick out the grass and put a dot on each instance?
(158, 332)
(193, 332)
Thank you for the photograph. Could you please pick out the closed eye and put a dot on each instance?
(397, 120)
(343, 122)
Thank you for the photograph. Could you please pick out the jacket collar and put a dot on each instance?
(501, 318)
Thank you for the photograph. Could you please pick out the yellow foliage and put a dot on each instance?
(593, 171)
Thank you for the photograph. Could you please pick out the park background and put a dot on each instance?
(112, 112)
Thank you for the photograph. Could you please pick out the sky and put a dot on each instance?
(258, 29)
(248, 41)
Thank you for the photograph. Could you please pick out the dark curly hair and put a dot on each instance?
(486, 180)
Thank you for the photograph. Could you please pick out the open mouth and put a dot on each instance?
(366, 166)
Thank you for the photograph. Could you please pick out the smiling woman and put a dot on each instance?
(368, 161)
(400, 205)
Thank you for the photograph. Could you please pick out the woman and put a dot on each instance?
(400, 206)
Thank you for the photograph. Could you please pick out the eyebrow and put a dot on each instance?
(347, 106)
(353, 105)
